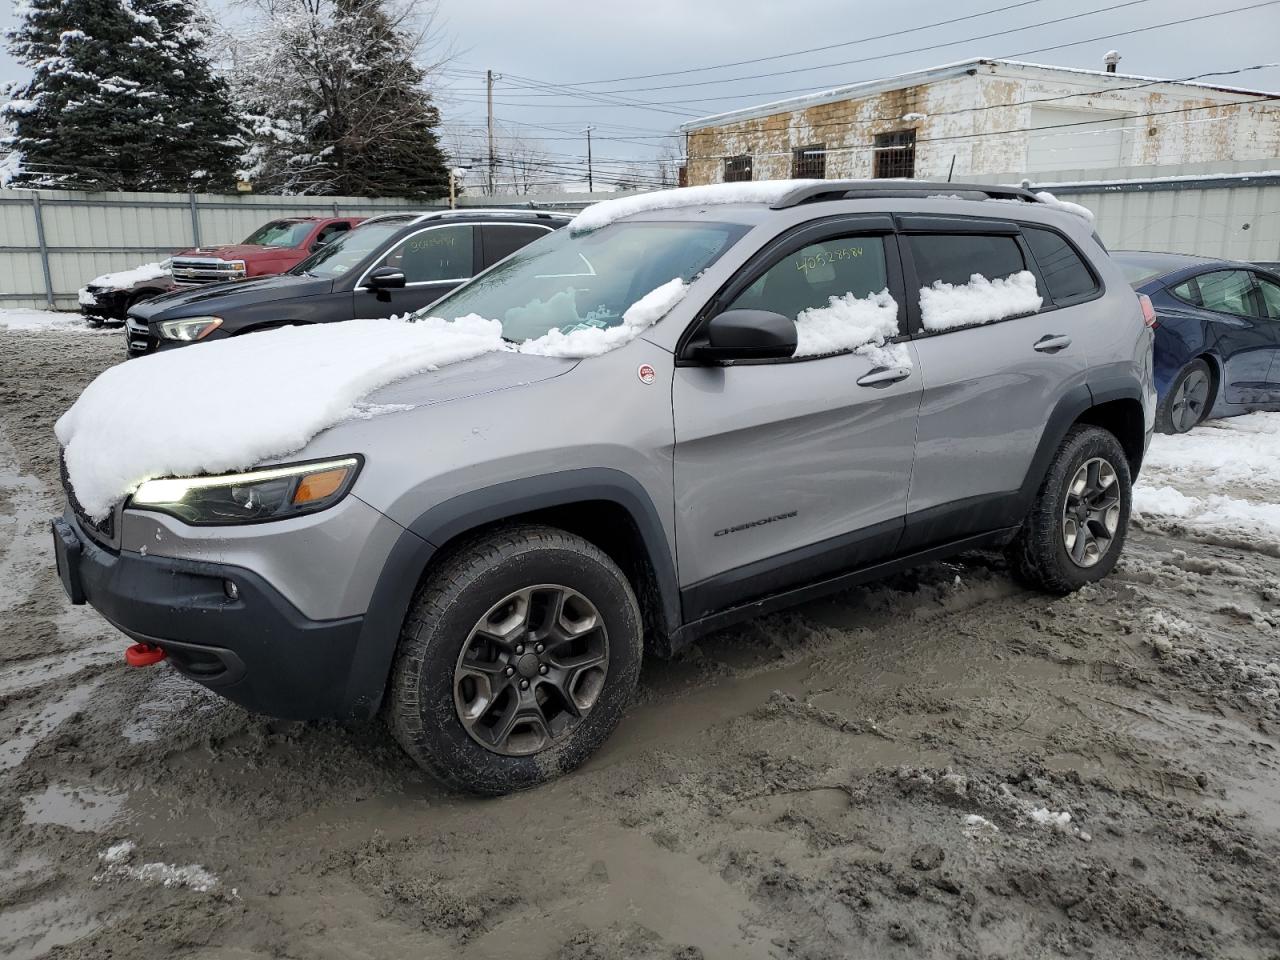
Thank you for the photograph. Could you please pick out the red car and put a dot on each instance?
(272, 248)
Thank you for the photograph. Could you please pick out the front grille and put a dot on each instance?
(200, 270)
(106, 530)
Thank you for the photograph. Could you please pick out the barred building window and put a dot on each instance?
(809, 163)
(737, 169)
(895, 154)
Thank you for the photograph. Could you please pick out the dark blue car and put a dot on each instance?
(1217, 338)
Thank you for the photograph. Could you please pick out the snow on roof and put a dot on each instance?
(607, 211)
(866, 88)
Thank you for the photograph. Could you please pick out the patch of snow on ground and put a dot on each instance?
(945, 306)
(294, 382)
(593, 341)
(1222, 477)
(117, 861)
(44, 321)
(847, 323)
(1048, 818)
(607, 211)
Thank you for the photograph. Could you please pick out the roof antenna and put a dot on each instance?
(952, 169)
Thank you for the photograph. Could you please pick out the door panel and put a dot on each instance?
(787, 471)
(772, 458)
(989, 389)
(1245, 341)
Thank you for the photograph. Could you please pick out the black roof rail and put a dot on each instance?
(875, 189)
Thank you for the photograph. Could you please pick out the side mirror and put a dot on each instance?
(385, 278)
(748, 335)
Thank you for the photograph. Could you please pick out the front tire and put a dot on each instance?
(1077, 525)
(516, 660)
(1189, 399)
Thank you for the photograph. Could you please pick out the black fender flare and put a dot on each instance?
(422, 539)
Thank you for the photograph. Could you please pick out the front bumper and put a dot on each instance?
(108, 306)
(255, 649)
(138, 338)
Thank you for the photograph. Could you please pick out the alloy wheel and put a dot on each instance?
(1189, 401)
(531, 669)
(1091, 513)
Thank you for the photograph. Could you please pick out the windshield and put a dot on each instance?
(347, 250)
(570, 283)
(280, 233)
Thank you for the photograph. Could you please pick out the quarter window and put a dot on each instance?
(441, 253)
(502, 240)
(1227, 291)
(1270, 297)
(1065, 274)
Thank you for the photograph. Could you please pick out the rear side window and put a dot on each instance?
(502, 240)
(969, 279)
(1227, 291)
(1066, 276)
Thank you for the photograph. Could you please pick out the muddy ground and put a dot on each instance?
(884, 774)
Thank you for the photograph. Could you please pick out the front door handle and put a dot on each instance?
(883, 376)
(1052, 343)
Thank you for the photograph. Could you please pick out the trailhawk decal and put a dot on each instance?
(756, 523)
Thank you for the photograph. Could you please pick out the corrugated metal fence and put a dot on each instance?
(54, 242)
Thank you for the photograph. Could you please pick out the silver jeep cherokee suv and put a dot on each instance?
(487, 568)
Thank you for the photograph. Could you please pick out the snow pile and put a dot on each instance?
(1044, 196)
(127, 279)
(117, 862)
(847, 323)
(607, 211)
(292, 383)
(43, 321)
(977, 827)
(1048, 818)
(587, 341)
(945, 306)
(1222, 480)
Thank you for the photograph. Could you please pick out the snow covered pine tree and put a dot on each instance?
(337, 99)
(122, 97)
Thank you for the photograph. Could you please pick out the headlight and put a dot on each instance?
(189, 328)
(273, 493)
(237, 265)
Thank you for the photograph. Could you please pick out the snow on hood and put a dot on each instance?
(607, 211)
(126, 279)
(276, 390)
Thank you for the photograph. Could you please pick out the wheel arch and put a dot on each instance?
(608, 508)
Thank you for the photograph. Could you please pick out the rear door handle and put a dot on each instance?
(883, 376)
(1052, 343)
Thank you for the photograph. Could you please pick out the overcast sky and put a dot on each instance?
(572, 42)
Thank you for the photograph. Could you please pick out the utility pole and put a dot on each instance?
(591, 184)
(492, 158)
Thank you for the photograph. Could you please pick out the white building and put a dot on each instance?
(984, 119)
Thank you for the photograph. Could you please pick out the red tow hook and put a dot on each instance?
(143, 655)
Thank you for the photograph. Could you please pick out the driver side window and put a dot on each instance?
(811, 277)
(440, 253)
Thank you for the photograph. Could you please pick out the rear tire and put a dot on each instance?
(1077, 525)
(1189, 400)
(516, 660)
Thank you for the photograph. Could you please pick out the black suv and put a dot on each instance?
(388, 265)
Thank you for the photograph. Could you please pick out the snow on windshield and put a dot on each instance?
(291, 383)
(607, 211)
(584, 340)
(945, 306)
